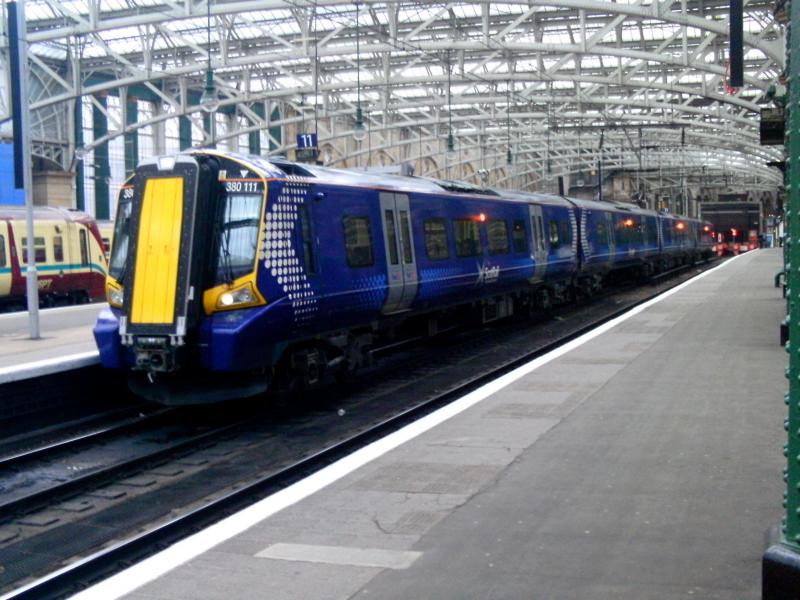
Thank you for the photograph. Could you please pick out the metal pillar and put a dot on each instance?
(131, 137)
(210, 127)
(781, 564)
(254, 138)
(184, 132)
(80, 201)
(102, 171)
(18, 49)
(275, 131)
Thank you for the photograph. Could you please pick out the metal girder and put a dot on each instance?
(573, 62)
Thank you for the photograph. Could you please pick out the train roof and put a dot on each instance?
(43, 213)
(529, 197)
(280, 167)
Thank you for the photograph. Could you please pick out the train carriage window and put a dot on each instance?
(58, 248)
(468, 237)
(623, 231)
(391, 237)
(666, 233)
(2, 251)
(565, 228)
(84, 247)
(405, 233)
(39, 250)
(519, 237)
(498, 236)
(602, 231)
(555, 241)
(651, 233)
(358, 241)
(640, 233)
(308, 241)
(436, 239)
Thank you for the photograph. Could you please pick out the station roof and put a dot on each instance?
(644, 83)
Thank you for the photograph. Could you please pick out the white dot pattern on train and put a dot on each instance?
(281, 255)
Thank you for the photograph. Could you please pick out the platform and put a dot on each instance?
(66, 341)
(643, 464)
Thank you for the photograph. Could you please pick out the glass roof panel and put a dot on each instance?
(276, 45)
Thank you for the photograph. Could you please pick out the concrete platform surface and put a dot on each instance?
(644, 464)
(64, 331)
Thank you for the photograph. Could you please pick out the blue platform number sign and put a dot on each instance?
(306, 140)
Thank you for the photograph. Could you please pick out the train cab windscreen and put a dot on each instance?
(237, 236)
(119, 250)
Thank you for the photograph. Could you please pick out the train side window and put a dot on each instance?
(520, 239)
(391, 237)
(405, 233)
(498, 236)
(58, 248)
(436, 239)
(468, 237)
(565, 228)
(84, 247)
(667, 233)
(651, 231)
(358, 241)
(308, 243)
(602, 232)
(623, 233)
(39, 249)
(555, 240)
(2, 251)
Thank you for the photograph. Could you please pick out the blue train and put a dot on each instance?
(231, 273)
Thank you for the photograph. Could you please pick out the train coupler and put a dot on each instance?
(155, 354)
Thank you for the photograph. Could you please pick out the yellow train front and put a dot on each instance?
(184, 263)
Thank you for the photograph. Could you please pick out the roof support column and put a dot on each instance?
(77, 117)
(184, 132)
(781, 564)
(210, 128)
(131, 137)
(102, 172)
(254, 137)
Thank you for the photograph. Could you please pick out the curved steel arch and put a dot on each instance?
(273, 50)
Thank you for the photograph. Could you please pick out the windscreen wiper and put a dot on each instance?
(225, 251)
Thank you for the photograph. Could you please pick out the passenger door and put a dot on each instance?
(401, 263)
(611, 233)
(5, 261)
(539, 242)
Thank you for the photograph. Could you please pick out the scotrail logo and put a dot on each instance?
(487, 274)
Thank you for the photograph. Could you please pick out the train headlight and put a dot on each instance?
(115, 294)
(238, 298)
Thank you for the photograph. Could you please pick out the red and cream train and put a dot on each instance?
(70, 260)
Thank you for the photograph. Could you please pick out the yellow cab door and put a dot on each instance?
(5, 260)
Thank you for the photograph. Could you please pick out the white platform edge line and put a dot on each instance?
(182, 552)
(23, 314)
(49, 366)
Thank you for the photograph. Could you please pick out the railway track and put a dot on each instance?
(50, 438)
(44, 476)
(274, 452)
